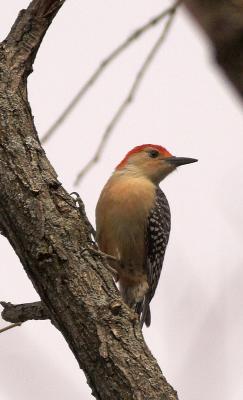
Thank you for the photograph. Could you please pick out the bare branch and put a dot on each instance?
(130, 96)
(18, 313)
(103, 65)
(6, 328)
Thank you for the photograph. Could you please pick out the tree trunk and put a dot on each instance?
(50, 237)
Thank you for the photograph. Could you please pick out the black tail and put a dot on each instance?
(143, 311)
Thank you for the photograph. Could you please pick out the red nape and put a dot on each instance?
(137, 149)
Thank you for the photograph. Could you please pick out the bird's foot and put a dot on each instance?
(106, 257)
(81, 209)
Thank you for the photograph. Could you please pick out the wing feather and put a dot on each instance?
(157, 236)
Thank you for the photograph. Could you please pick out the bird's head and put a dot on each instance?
(151, 161)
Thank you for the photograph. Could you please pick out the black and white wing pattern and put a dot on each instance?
(157, 236)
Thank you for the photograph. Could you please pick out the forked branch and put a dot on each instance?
(130, 96)
(103, 65)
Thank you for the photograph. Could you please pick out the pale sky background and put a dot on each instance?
(185, 105)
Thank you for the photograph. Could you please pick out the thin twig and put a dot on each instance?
(103, 65)
(10, 327)
(130, 97)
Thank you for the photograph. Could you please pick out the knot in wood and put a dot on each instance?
(115, 307)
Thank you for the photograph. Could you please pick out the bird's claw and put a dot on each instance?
(105, 256)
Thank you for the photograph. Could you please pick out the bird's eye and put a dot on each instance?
(153, 153)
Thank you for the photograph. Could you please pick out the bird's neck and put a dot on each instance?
(132, 172)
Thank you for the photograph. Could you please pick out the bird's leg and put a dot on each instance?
(106, 257)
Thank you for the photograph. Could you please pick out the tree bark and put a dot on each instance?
(17, 313)
(222, 21)
(47, 232)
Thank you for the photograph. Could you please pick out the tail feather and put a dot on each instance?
(148, 317)
(129, 294)
(146, 314)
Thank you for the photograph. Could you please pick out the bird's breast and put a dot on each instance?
(121, 218)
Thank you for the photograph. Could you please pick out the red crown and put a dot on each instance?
(137, 149)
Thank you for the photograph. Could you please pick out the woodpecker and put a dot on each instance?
(133, 222)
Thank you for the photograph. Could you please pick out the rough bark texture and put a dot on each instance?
(47, 232)
(222, 20)
(24, 312)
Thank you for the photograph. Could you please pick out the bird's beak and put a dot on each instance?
(177, 161)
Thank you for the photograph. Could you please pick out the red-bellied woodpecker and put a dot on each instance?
(133, 222)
